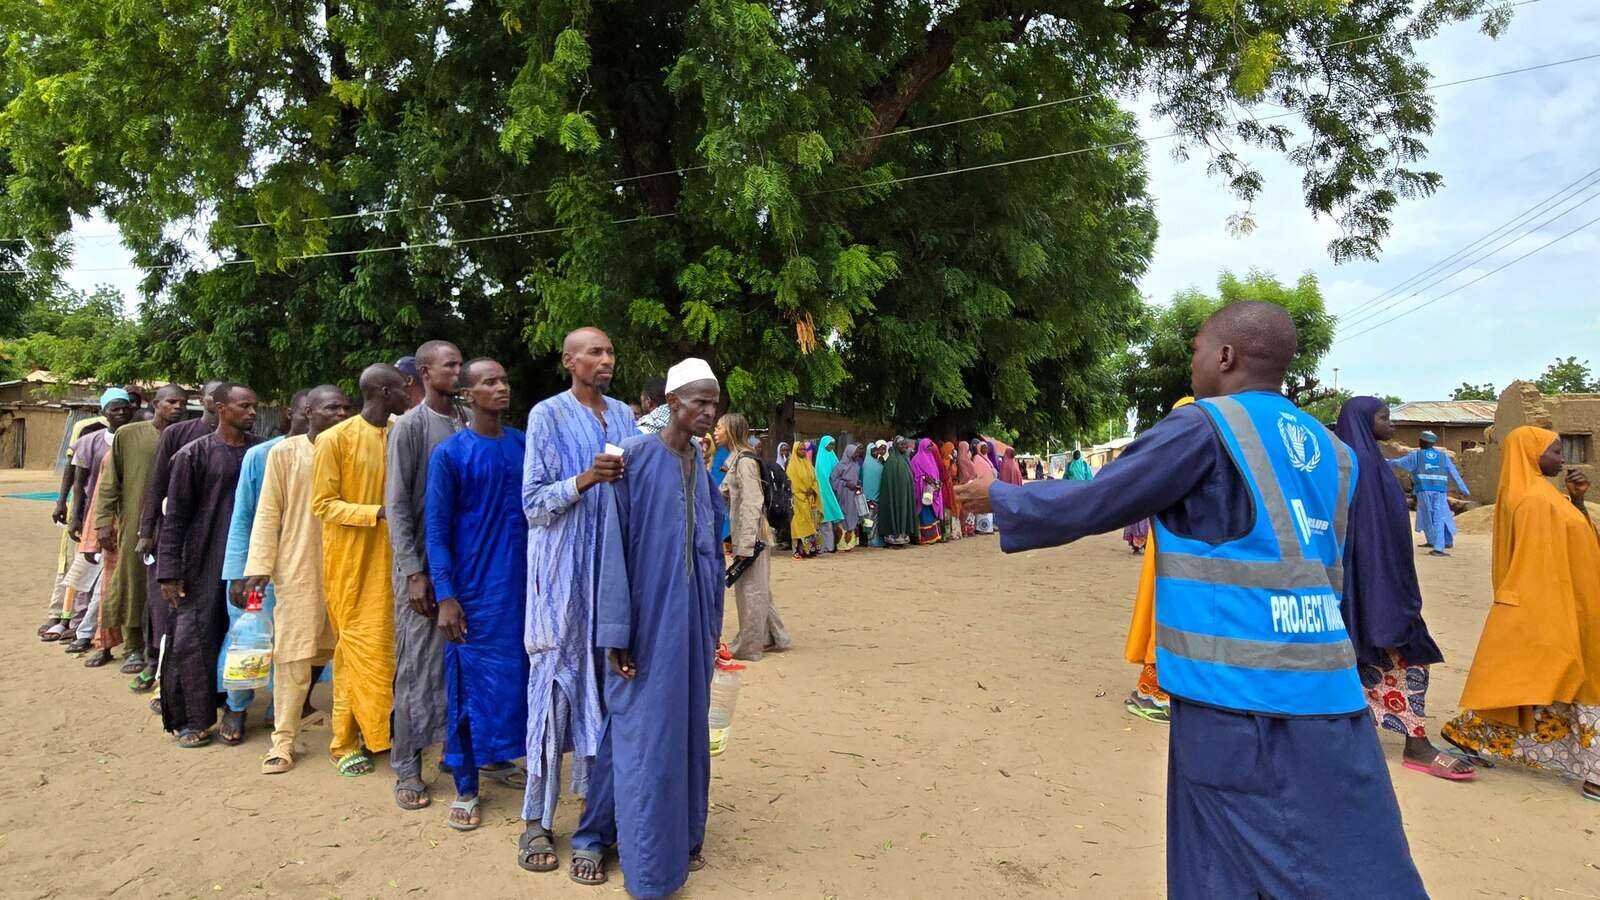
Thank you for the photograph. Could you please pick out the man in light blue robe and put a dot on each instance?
(1431, 473)
(246, 497)
(476, 541)
(565, 471)
(658, 616)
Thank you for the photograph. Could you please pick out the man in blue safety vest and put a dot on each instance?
(1277, 785)
(1431, 472)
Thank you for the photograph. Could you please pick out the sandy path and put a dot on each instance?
(950, 724)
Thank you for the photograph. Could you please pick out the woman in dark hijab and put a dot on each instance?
(1382, 600)
(897, 510)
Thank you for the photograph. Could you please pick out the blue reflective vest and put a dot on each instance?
(1252, 623)
(1432, 473)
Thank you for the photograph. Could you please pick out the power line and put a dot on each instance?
(1351, 315)
(860, 186)
(1466, 264)
(1456, 290)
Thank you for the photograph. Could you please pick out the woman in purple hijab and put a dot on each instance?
(925, 492)
(1382, 600)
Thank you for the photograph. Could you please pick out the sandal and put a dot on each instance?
(1467, 753)
(143, 681)
(593, 862)
(79, 646)
(133, 664)
(468, 806)
(189, 739)
(536, 843)
(1148, 710)
(1591, 791)
(696, 862)
(97, 659)
(232, 730)
(415, 786)
(354, 764)
(1443, 766)
(155, 704)
(276, 765)
(55, 632)
(509, 774)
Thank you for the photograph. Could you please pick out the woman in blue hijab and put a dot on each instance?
(831, 513)
(1382, 601)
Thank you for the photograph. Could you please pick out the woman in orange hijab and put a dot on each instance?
(1533, 694)
(947, 486)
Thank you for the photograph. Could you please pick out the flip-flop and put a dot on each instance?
(1468, 754)
(97, 659)
(593, 856)
(132, 664)
(469, 806)
(351, 764)
(1440, 768)
(697, 862)
(194, 740)
(1590, 791)
(510, 775)
(1147, 710)
(142, 682)
(537, 841)
(55, 632)
(414, 785)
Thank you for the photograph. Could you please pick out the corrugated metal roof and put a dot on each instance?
(1445, 412)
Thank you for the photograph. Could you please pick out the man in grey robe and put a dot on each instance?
(419, 694)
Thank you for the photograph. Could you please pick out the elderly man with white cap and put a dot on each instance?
(1431, 472)
(658, 614)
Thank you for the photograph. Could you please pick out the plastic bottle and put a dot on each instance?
(724, 696)
(247, 661)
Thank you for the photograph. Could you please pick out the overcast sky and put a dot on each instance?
(1502, 146)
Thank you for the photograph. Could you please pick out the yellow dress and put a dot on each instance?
(347, 474)
(807, 497)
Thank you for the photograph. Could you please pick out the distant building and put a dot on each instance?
(1575, 417)
(1458, 423)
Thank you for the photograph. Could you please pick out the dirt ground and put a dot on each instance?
(949, 724)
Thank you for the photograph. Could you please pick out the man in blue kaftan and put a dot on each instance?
(246, 496)
(476, 541)
(565, 470)
(659, 613)
(1432, 470)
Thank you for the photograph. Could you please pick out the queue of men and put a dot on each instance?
(510, 596)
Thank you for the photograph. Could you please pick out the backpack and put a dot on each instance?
(776, 494)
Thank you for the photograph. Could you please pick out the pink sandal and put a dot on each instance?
(1443, 766)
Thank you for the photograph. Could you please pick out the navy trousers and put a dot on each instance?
(1284, 808)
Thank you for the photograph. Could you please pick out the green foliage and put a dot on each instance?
(1568, 376)
(1469, 391)
(78, 336)
(1157, 374)
(715, 177)
(1325, 408)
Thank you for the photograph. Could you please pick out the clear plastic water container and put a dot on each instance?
(247, 656)
(724, 697)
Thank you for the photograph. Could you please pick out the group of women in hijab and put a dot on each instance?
(1533, 691)
(886, 494)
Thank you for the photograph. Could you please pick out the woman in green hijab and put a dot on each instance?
(897, 511)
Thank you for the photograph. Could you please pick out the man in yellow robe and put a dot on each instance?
(347, 475)
(286, 549)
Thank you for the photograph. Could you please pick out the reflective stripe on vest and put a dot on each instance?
(1254, 623)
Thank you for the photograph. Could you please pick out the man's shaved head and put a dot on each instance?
(428, 353)
(1262, 333)
(1243, 346)
(589, 357)
(376, 377)
(169, 390)
(579, 338)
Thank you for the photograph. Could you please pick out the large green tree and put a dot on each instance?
(74, 335)
(764, 184)
(1156, 373)
(1567, 376)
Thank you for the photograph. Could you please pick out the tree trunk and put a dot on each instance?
(780, 430)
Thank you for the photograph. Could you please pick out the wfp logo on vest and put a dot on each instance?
(1307, 525)
(1304, 451)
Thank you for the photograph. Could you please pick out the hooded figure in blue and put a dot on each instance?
(1276, 783)
(477, 538)
(1431, 473)
(658, 614)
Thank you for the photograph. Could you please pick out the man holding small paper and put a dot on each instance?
(571, 456)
